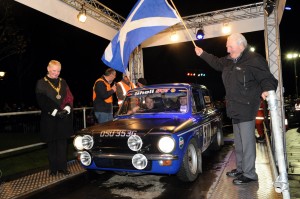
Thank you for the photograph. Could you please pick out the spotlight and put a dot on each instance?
(2, 74)
(252, 49)
(226, 29)
(269, 7)
(82, 15)
(174, 36)
(200, 34)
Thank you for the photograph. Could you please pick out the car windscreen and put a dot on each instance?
(155, 100)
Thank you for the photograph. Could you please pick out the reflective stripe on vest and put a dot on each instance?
(108, 88)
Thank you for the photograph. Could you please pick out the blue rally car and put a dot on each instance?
(159, 129)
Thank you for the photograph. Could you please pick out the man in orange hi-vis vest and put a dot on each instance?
(103, 96)
(123, 87)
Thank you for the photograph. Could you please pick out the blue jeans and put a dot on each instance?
(103, 116)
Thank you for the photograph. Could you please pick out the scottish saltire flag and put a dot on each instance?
(147, 18)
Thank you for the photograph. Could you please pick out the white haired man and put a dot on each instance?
(246, 76)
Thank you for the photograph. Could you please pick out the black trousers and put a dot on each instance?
(57, 154)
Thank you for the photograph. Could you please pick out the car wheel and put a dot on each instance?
(190, 166)
(218, 142)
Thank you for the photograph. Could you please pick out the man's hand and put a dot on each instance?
(264, 95)
(62, 114)
(114, 88)
(198, 50)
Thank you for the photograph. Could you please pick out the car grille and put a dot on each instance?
(119, 145)
(118, 164)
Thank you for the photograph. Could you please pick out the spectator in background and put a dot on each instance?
(141, 82)
(123, 87)
(56, 103)
(103, 96)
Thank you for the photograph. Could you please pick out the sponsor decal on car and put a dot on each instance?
(181, 142)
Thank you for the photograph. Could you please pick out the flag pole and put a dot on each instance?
(183, 23)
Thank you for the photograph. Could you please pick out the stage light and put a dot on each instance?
(226, 29)
(200, 34)
(174, 36)
(2, 74)
(288, 8)
(82, 15)
(269, 7)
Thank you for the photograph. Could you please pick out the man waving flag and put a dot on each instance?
(147, 18)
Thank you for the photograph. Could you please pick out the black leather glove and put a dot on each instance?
(62, 114)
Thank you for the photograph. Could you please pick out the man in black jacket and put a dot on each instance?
(246, 76)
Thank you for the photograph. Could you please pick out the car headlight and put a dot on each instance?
(166, 144)
(135, 142)
(83, 142)
(85, 158)
(139, 161)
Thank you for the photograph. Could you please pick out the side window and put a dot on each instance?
(207, 98)
(198, 101)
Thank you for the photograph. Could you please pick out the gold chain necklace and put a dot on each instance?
(58, 96)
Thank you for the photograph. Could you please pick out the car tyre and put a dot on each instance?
(218, 142)
(191, 164)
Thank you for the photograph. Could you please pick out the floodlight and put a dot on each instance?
(200, 34)
(82, 15)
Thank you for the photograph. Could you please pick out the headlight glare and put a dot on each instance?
(77, 142)
(166, 144)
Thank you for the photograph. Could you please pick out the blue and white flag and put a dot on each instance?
(147, 18)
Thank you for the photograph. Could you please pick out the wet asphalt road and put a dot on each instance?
(110, 185)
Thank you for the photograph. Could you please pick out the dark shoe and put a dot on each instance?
(234, 173)
(52, 173)
(242, 180)
(64, 172)
(260, 139)
(298, 130)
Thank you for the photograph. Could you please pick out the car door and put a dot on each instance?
(200, 112)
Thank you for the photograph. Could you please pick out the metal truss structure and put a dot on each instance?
(98, 11)
(273, 54)
(136, 68)
(222, 16)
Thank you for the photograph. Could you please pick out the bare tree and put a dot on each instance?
(12, 39)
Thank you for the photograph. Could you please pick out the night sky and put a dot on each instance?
(80, 53)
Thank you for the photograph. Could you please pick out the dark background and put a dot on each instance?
(80, 52)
